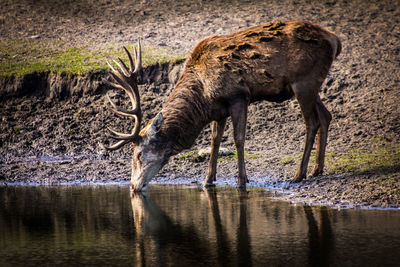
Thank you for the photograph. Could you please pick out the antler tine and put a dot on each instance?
(131, 91)
(138, 58)
(123, 66)
(114, 146)
(135, 107)
(111, 66)
(121, 136)
(115, 85)
(131, 66)
(121, 69)
(127, 137)
(127, 81)
(118, 110)
(119, 73)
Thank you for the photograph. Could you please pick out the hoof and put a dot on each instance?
(297, 179)
(316, 172)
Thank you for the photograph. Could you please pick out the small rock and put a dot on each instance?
(34, 37)
(223, 151)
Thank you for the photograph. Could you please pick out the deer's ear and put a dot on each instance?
(157, 123)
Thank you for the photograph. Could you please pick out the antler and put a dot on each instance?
(126, 80)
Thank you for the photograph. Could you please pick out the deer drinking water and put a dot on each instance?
(222, 76)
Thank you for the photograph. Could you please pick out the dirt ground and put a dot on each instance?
(56, 141)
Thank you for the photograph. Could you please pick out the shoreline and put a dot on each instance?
(281, 190)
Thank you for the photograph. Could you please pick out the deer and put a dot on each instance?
(222, 75)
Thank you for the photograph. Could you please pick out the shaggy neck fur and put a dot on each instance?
(186, 112)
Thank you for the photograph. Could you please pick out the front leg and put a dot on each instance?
(238, 112)
(217, 130)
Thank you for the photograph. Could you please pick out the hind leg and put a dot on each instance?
(325, 118)
(307, 95)
(238, 112)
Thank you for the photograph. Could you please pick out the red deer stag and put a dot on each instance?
(222, 76)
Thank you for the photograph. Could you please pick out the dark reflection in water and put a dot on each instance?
(179, 226)
(320, 238)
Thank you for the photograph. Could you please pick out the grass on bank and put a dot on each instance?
(20, 57)
(235, 156)
(381, 157)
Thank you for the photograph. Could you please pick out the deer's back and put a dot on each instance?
(262, 61)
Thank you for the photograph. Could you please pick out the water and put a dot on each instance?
(181, 226)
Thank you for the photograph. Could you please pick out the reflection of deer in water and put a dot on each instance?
(161, 239)
(223, 75)
(158, 235)
(224, 250)
(320, 236)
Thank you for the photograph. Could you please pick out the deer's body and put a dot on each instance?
(223, 75)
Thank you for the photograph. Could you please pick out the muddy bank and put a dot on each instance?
(63, 86)
(54, 140)
(51, 124)
(58, 116)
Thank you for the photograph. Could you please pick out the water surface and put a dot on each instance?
(181, 226)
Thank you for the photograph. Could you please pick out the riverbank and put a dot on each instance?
(52, 136)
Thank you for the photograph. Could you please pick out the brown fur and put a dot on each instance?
(258, 63)
(223, 75)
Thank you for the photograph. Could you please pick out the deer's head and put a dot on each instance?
(150, 152)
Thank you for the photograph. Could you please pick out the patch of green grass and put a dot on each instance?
(380, 157)
(235, 156)
(287, 160)
(20, 57)
(189, 155)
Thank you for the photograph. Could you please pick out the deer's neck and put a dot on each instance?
(186, 112)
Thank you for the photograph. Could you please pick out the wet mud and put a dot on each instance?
(50, 135)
